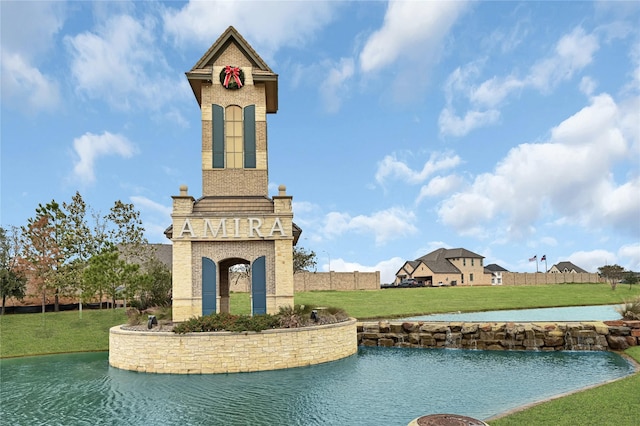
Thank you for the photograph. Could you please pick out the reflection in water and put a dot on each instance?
(389, 386)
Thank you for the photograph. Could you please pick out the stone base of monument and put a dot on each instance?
(226, 352)
(446, 420)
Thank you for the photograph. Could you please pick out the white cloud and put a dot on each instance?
(120, 63)
(385, 225)
(333, 88)
(630, 256)
(440, 185)
(155, 216)
(411, 30)
(572, 53)
(28, 30)
(26, 85)
(267, 26)
(90, 147)
(454, 125)
(590, 261)
(492, 92)
(390, 167)
(588, 86)
(144, 203)
(29, 27)
(570, 175)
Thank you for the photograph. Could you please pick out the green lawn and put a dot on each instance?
(611, 404)
(399, 302)
(616, 403)
(57, 332)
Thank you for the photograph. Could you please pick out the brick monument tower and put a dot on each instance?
(235, 221)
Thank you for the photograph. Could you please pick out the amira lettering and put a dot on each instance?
(232, 228)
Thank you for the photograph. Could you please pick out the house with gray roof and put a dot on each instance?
(496, 273)
(446, 267)
(566, 268)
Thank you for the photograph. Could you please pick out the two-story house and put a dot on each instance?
(446, 267)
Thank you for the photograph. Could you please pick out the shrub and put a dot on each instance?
(136, 317)
(630, 310)
(227, 322)
(287, 317)
(294, 317)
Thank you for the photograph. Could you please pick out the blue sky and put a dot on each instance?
(510, 129)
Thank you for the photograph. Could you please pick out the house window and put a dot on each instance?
(464, 262)
(462, 278)
(472, 262)
(470, 277)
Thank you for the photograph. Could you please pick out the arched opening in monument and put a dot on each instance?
(227, 275)
(252, 278)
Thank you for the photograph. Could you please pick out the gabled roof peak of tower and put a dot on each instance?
(261, 72)
(231, 35)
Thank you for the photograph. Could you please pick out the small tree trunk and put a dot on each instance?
(56, 303)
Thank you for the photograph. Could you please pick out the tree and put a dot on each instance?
(41, 254)
(56, 224)
(108, 274)
(80, 243)
(631, 278)
(127, 233)
(612, 273)
(12, 281)
(154, 288)
(303, 260)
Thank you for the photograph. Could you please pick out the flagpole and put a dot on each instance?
(537, 270)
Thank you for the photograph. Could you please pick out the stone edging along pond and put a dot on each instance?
(228, 352)
(544, 336)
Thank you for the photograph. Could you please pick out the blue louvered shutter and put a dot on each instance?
(218, 136)
(249, 123)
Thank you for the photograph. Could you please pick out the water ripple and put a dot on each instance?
(387, 386)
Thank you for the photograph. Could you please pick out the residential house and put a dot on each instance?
(445, 267)
(496, 273)
(566, 267)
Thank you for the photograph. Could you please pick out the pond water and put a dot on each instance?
(378, 386)
(574, 313)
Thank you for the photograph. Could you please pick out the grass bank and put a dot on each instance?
(399, 302)
(616, 403)
(57, 332)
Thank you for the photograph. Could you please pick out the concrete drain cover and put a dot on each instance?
(446, 420)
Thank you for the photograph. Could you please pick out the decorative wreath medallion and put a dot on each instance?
(232, 77)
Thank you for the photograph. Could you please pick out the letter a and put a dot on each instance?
(186, 227)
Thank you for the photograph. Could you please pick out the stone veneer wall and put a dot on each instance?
(527, 278)
(225, 352)
(544, 336)
(342, 281)
(314, 281)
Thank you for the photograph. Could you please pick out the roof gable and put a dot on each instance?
(568, 266)
(231, 35)
(202, 71)
(495, 268)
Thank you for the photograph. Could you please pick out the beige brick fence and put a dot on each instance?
(528, 278)
(314, 281)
